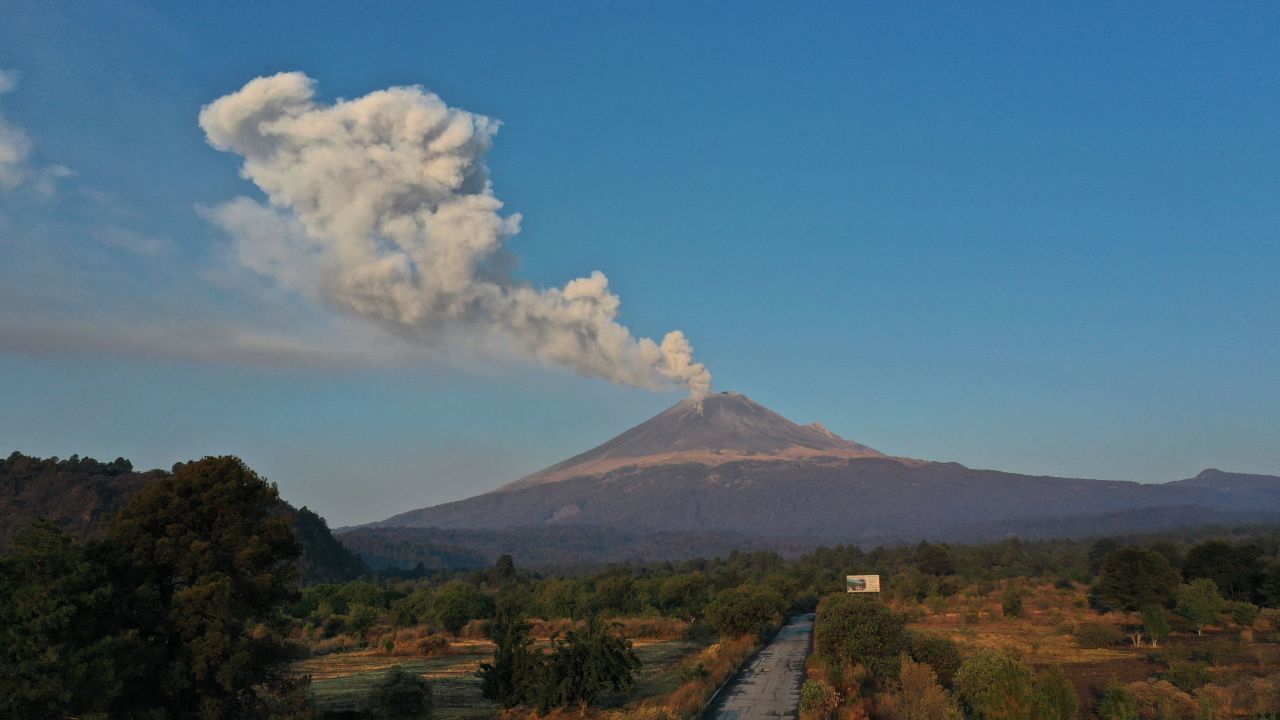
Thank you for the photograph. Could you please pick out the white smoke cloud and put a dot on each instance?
(382, 207)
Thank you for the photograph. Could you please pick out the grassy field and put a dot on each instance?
(340, 681)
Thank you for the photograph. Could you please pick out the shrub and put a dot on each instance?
(1244, 614)
(1097, 635)
(1117, 703)
(1053, 697)
(818, 700)
(995, 686)
(1011, 601)
(692, 671)
(1189, 676)
(399, 695)
(1159, 700)
(917, 696)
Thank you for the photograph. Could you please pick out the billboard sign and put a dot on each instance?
(862, 583)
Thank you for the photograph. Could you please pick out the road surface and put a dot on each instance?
(769, 686)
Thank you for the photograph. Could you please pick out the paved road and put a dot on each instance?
(769, 686)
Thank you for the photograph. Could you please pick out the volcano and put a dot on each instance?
(718, 429)
(726, 464)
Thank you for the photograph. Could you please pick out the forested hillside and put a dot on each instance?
(80, 495)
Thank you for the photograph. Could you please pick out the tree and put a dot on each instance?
(562, 598)
(857, 629)
(400, 695)
(504, 569)
(686, 593)
(1200, 602)
(1132, 578)
(58, 640)
(506, 680)
(1098, 553)
(1237, 570)
(456, 604)
(743, 611)
(361, 619)
(1155, 623)
(918, 696)
(582, 665)
(205, 557)
(1011, 600)
(938, 652)
(934, 560)
(996, 686)
(617, 593)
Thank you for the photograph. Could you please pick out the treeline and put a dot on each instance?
(1124, 573)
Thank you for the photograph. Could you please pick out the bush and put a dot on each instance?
(1117, 703)
(1011, 601)
(818, 700)
(918, 696)
(995, 686)
(1053, 697)
(1244, 614)
(399, 695)
(691, 672)
(1189, 676)
(1097, 635)
(1159, 700)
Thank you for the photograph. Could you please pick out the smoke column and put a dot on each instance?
(382, 207)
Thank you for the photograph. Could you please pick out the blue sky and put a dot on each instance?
(1029, 238)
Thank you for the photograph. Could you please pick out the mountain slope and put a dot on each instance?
(737, 467)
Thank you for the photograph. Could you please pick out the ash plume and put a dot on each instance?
(382, 207)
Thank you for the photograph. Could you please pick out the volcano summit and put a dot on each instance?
(714, 430)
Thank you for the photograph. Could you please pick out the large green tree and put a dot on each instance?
(582, 665)
(514, 668)
(59, 642)
(1237, 570)
(856, 629)
(206, 558)
(1200, 602)
(1133, 577)
(744, 611)
(458, 603)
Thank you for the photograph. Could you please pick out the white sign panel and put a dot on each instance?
(862, 583)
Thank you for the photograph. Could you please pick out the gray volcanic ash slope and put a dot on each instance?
(734, 466)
